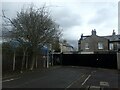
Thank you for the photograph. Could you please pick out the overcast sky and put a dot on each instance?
(74, 16)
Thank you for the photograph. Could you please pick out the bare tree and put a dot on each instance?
(56, 45)
(14, 45)
(24, 45)
(34, 26)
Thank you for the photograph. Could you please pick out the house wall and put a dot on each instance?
(93, 44)
(116, 46)
(79, 46)
(66, 48)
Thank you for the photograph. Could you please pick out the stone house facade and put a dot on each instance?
(66, 47)
(93, 43)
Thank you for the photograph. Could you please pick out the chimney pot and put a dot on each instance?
(94, 32)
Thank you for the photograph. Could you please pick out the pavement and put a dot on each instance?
(17, 74)
(66, 77)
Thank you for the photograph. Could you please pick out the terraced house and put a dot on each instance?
(98, 44)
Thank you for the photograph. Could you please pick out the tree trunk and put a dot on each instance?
(34, 50)
(33, 62)
(36, 62)
(44, 61)
(26, 61)
(14, 61)
(47, 60)
(52, 59)
(23, 61)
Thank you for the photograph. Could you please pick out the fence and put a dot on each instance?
(89, 60)
(7, 61)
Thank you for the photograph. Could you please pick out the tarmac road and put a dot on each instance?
(66, 77)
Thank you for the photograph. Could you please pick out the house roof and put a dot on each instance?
(109, 37)
(86, 37)
(66, 44)
(113, 37)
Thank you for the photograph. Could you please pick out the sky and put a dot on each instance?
(75, 17)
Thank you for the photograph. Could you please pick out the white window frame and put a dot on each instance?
(111, 46)
(100, 46)
(86, 45)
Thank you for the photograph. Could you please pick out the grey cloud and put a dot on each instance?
(67, 19)
(104, 15)
(73, 43)
(11, 8)
(101, 16)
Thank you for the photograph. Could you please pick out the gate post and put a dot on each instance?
(61, 58)
(118, 60)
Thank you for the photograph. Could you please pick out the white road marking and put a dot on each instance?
(74, 81)
(94, 88)
(104, 83)
(93, 72)
(80, 78)
(86, 79)
(82, 75)
(10, 79)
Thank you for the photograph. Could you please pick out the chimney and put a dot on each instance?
(113, 32)
(94, 32)
(81, 36)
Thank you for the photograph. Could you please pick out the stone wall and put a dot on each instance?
(93, 44)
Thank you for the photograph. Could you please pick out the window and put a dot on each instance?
(100, 45)
(111, 46)
(86, 46)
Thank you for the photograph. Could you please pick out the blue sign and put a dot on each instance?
(44, 50)
(14, 44)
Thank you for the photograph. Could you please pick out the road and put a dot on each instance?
(66, 77)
